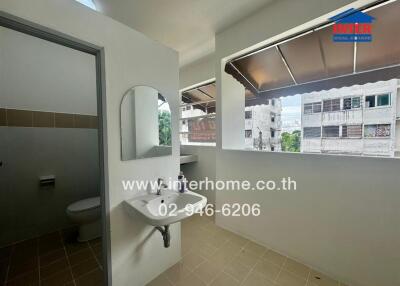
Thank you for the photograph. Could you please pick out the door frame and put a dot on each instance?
(21, 25)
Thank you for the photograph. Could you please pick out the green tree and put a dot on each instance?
(164, 128)
(291, 141)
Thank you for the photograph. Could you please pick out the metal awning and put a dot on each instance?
(312, 61)
(202, 97)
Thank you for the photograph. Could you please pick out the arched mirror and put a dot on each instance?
(145, 124)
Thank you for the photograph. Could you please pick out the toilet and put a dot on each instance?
(86, 213)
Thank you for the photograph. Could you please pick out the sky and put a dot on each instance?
(291, 113)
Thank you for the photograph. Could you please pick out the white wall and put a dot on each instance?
(343, 218)
(197, 72)
(131, 59)
(38, 75)
(203, 168)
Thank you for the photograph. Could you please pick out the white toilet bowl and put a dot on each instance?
(86, 213)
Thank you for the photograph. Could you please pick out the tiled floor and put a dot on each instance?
(53, 259)
(216, 257)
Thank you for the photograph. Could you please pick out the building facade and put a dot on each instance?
(263, 121)
(357, 120)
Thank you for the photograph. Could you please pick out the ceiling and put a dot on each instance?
(188, 26)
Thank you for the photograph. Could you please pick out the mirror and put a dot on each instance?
(145, 124)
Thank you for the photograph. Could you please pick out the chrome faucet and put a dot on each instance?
(160, 186)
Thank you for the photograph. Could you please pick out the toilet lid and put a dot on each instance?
(84, 205)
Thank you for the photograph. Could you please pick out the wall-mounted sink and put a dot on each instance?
(167, 208)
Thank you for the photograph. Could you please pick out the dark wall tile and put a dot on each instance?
(94, 122)
(43, 119)
(3, 117)
(82, 121)
(20, 118)
(64, 120)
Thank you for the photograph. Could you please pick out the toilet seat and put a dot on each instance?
(84, 205)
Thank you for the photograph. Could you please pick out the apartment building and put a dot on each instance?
(263, 126)
(359, 120)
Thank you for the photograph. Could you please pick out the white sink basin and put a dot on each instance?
(168, 208)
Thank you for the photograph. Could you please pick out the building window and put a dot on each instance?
(351, 102)
(331, 105)
(272, 148)
(383, 100)
(273, 102)
(370, 101)
(272, 133)
(183, 122)
(312, 132)
(352, 131)
(273, 117)
(330, 131)
(377, 100)
(248, 133)
(377, 130)
(314, 107)
(248, 114)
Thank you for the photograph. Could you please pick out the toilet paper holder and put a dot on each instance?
(46, 181)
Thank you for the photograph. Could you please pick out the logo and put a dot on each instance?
(352, 26)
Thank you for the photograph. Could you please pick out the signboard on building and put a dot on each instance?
(202, 130)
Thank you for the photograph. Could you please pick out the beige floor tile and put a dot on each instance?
(192, 260)
(297, 268)
(255, 248)
(256, 279)
(177, 272)
(222, 258)
(191, 280)
(238, 240)
(319, 279)
(247, 258)
(230, 247)
(207, 271)
(205, 249)
(286, 278)
(237, 270)
(268, 269)
(224, 279)
(160, 281)
(274, 257)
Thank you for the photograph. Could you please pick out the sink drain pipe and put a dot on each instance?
(165, 234)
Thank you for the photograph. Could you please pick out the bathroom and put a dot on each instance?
(49, 160)
(82, 90)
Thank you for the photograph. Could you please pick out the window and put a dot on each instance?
(314, 107)
(248, 114)
(370, 101)
(273, 117)
(272, 133)
(273, 102)
(308, 108)
(330, 131)
(198, 115)
(356, 102)
(377, 130)
(312, 132)
(352, 131)
(248, 133)
(351, 103)
(383, 100)
(88, 3)
(331, 105)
